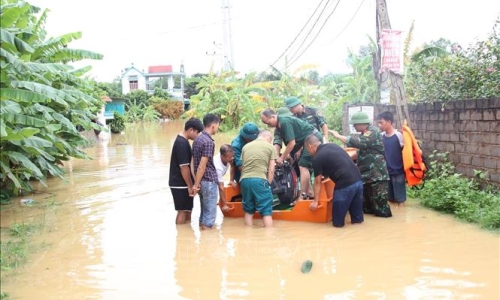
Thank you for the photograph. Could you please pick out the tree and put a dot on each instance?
(40, 97)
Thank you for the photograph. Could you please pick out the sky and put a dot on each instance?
(167, 32)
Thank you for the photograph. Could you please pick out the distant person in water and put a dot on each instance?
(180, 179)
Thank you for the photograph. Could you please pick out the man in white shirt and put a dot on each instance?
(221, 163)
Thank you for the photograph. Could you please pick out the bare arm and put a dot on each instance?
(200, 172)
(324, 129)
(338, 136)
(288, 150)
(186, 175)
(317, 190)
(270, 170)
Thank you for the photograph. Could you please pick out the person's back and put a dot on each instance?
(255, 157)
(257, 174)
(336, 164)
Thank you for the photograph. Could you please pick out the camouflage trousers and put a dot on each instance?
(375, 196)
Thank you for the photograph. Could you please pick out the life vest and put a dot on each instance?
(413, 161)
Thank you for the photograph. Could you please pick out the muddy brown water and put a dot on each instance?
(112, 235)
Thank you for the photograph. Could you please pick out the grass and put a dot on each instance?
(17, 241)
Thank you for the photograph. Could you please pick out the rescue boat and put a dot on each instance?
(284, 211)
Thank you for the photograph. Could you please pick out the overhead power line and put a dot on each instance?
(317, 34)
(347, 25)
(300, 32)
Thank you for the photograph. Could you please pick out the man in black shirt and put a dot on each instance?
(330, 160)
(180, 177)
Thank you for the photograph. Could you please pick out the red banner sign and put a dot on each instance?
(390, 42)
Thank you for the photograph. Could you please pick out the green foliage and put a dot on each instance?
(160, 93)
(138, 97)
(449, 192)
(41, 97)
(470, 73)
(117, 125)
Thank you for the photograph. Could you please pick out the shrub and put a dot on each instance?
(117, 125)
(449, 192)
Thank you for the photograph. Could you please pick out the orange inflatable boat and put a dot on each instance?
(299, 212)
(281, 211)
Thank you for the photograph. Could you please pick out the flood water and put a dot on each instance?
(111, 234)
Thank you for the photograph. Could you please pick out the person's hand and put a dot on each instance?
(234, 184)
(325, 139)
(313, 206)
(279, 161)
(225, 208)
(196, 189)
(191, 191)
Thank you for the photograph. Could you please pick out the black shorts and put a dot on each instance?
(182, 200)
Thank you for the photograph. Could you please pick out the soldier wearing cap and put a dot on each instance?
(248, 133)
(293, 131)
(308, 114)
(371, 164)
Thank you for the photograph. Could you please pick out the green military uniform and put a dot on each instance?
(292, 128)
(373, 168)
(311, 116)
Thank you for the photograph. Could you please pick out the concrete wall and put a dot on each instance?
(468, 129)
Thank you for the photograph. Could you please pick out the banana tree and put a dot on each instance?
(41, 98)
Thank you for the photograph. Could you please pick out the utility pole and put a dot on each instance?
(389, 81)
(227, 43)
(217, 53)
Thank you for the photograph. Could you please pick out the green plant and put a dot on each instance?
(470, 73)
(449, 192)
(117, 125)
(41, 97)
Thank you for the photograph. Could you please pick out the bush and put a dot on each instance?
(117, 125)
(449, 192)
(169, 109)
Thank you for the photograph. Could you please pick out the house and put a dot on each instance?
(157, 76)
(114, 104)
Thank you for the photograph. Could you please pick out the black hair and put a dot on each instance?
(210, 119)
(386, 115)
(193, 123)
(225, 149)
(268, 112)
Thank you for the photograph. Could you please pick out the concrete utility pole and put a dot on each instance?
(227, 43)
(389, 82)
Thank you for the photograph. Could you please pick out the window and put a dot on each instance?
(133, 85)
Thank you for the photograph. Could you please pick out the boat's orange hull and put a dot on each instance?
(300, 212)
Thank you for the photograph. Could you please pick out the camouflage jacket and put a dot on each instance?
(311, 116)
(371, 160)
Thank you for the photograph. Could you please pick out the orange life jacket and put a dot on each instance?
(413, 163)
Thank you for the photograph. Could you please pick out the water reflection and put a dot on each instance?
(116, 238)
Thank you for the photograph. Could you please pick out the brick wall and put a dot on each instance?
(468, 129)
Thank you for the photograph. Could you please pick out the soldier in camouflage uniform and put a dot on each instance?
(308, 114)
(371, 164)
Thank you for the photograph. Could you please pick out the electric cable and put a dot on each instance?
(301, 30)
(317, 34)
(347, 25)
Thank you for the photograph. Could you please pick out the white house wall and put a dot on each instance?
(141, 80)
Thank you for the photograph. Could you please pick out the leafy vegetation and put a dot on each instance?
(443, 72)
(41, 98)
(117, 125)
(449, 192)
